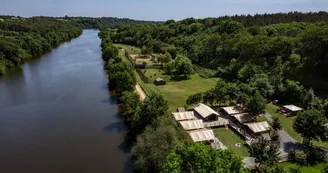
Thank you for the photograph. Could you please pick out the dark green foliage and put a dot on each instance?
(265, 168)
(264, 152)
(295, 170)
(154, 144)
(325, 169)
(276, 124)
(256, 104)
(310, 124)
(196, 98)
(196, 157)
(25, 38)
(130, 107)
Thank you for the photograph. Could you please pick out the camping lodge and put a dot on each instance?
(291, 110)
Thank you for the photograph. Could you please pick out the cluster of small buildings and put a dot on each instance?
(199, 121)
(246, 125)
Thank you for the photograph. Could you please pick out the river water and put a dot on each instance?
(57, 116)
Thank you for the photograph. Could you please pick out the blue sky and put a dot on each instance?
(156, 9)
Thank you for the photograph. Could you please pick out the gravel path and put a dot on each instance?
(141, 93)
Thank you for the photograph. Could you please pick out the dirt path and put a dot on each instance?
(141, 93)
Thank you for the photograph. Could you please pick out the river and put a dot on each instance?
(57, 116)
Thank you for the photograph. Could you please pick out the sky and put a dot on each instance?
(156, 10)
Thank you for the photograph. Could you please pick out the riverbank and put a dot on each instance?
(24, 39)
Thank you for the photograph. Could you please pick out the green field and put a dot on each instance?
(287, 124)
(129, 49)
(153, 74)
(304, 169)
(229, 138)
(177, 92)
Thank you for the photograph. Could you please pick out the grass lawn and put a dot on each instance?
(129, 49)
(177, 92)
(304, 169)
(153, 74)
(229, 138)
(287, 124)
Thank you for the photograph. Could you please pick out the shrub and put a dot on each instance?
(196, 98)
(301, 157)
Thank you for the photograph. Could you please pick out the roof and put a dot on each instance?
(232, 110)
(293, 108)
(192, 124)
(244, 117)
(179, 116)
(159, 79)
(204, 110)
(181, 109)
(204, 135)
(259, 126)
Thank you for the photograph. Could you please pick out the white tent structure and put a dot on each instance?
(259, 127)
(206, 112)
(204, 135)
(192, 124)
(243, 118)
(292, 108)
(231, 110)
(180, 116)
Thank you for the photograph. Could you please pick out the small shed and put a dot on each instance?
(192, 124)
(159, 81)
(204, 135)
(292, 110)
(206, 112)
(259, 127)
(181, 116)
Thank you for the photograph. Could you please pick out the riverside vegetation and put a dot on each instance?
(25, 38)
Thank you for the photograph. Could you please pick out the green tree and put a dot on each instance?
(310, 125)
(256, 104)
(124, 82)
(153, 107)
(169, 67)
(276, 124)
(183, 66)
(261, 83)
(130, 107)
(264, 152)
(152, 147)
(197, 157)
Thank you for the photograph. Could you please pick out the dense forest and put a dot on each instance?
(296, 50)
(105, 22)
(25, 38)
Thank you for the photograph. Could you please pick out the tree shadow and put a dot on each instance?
(115, 127)
(290, 146)
(128, 166)
(110, 100)
(178, 78)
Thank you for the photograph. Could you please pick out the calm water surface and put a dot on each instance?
(56, 115)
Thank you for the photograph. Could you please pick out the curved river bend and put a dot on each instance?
(56, 114)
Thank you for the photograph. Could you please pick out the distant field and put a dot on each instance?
(229, 139)
(304, 169)
(129, 49)
(287, 124)
(177, 92)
